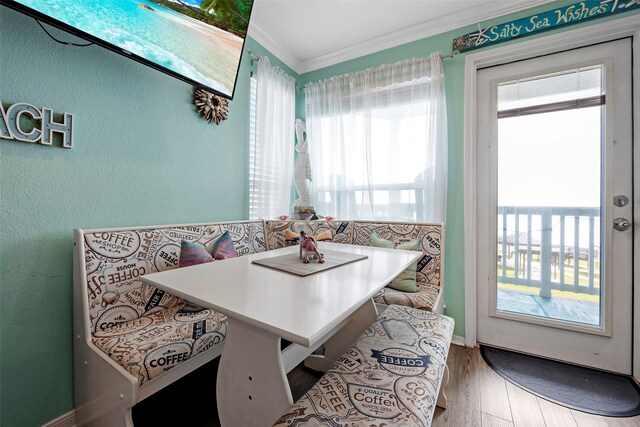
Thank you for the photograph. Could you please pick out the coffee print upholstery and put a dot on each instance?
(156, 342)
(276, 232)
(429, 267)
(115, 261)
(145, 330)
(425, 299)
(390, 376)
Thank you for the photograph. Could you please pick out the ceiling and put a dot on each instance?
(312, 34)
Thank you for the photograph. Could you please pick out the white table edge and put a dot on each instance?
(307, 342)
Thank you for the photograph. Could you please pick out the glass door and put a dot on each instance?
(550, 130)
(556, 173)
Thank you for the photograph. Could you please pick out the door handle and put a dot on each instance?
(621, 224)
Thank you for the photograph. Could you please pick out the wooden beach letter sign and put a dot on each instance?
(549, 20)
(38, 125)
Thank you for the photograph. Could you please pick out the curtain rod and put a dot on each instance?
(255, 57)
(452, 54)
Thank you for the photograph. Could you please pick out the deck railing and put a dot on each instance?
(549, 248)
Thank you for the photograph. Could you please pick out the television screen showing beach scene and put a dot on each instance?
(200, 40)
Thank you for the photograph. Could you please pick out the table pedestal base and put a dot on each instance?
(252, 388)
(335, 346)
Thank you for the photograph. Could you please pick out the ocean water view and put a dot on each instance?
(201, 52)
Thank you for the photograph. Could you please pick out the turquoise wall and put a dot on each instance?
(142, 156)
(454, 80)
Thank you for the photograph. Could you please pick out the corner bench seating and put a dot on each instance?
(131, 340)
(391, 376)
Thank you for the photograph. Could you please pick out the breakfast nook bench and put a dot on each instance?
(391, 376)
(132, 339)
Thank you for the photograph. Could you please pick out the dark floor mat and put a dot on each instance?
(575, 387)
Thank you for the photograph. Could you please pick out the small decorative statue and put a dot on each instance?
(302, 168)
(308, 247)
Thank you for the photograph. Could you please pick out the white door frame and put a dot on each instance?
(611, 30)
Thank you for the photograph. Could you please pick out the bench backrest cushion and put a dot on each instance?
(115, 260)
(431, 236)
(275, 231)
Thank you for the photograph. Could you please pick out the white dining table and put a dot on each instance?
(264, 305)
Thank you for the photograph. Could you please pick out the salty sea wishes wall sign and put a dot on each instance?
(26, 123)
(549, 20)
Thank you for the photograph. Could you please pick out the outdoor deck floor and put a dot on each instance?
(558, 308)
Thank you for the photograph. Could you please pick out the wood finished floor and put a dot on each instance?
(479, 397)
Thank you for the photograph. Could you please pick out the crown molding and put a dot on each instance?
(387, 41)
(259, 35)
(414, 33)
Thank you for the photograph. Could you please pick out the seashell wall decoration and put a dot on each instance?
(211, 107)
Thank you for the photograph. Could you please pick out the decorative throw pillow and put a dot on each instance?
(379, 242)
(406, 281)
(292, 238)
(325, 236)
(193, 254)
(223, 247)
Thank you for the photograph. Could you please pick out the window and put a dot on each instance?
(255, 173)
(271, 138)
(384, 177)
(378, 143)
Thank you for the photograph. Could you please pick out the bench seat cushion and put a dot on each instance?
(160, 340)
(424, 299)
(390, 376)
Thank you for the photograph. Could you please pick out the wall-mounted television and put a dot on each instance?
(197, 41)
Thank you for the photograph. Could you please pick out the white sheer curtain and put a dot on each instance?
(378, 142)
(272, 168)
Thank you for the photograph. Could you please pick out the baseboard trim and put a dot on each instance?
(64, 420)
(458, 340)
